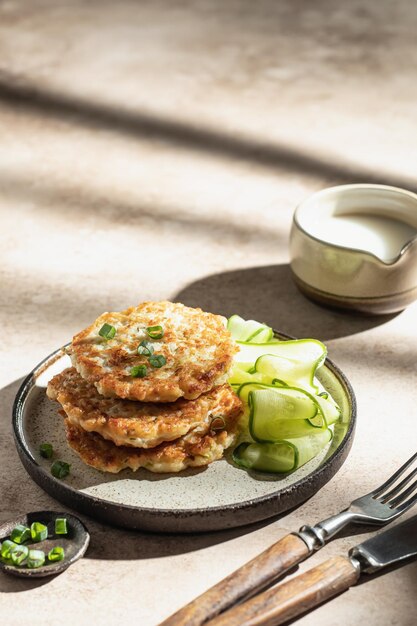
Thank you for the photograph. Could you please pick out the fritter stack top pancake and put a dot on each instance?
(197, 347)
(139, 424)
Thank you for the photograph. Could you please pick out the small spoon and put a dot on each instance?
(75, 542)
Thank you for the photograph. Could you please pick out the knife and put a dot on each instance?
(304, 592)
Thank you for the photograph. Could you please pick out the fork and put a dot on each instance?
(380, 506)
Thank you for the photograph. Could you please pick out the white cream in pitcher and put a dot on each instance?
(382, 236)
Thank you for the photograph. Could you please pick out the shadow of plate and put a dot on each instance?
(268, 294)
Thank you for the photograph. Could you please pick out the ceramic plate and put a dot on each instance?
(196, 500)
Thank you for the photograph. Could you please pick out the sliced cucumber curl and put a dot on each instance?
(289, 414)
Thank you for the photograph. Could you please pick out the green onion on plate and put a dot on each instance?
(60, 469)
(46, 450)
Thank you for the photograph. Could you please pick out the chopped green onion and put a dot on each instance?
(60, 469)
(38, 531)
(324, 395)
(5, 561)
(155, 332)
(157, 360)
(107, 331)
(36, 558)
(20, 534)
(145, 348)
(218, 423)
(19, 554)
(139, 371)
(56, 554)
(61, 526)
(7, 547)
(46, 450)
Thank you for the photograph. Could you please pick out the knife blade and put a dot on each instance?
(396, 544)
(304, 592)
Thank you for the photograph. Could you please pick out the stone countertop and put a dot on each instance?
(157, 150)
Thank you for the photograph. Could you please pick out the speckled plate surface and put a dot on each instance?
(196, 500)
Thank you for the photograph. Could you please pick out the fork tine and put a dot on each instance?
(403, 495)
(397, 474)
(407, 505)
(385, 498)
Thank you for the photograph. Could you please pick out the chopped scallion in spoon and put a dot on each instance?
(36, 558)
(38, 531)
(6, 548)
(19, 554)
(20, 534)
(61, 526)
(56, 554)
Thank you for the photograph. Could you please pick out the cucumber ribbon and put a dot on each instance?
(288, 411)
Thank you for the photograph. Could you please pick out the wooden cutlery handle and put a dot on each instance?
(294, 597)
(255, 575)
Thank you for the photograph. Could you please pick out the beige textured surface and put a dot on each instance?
(157, 150)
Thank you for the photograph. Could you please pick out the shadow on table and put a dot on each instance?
(268, 294)
(136, 124)
(113, 544)
(13, 584)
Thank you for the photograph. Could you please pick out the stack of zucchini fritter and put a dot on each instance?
(148, 389)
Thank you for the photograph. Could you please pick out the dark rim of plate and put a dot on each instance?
(28, 383)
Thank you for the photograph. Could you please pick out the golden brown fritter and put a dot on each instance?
(138, 424)
(192, 450)
(197, 347)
